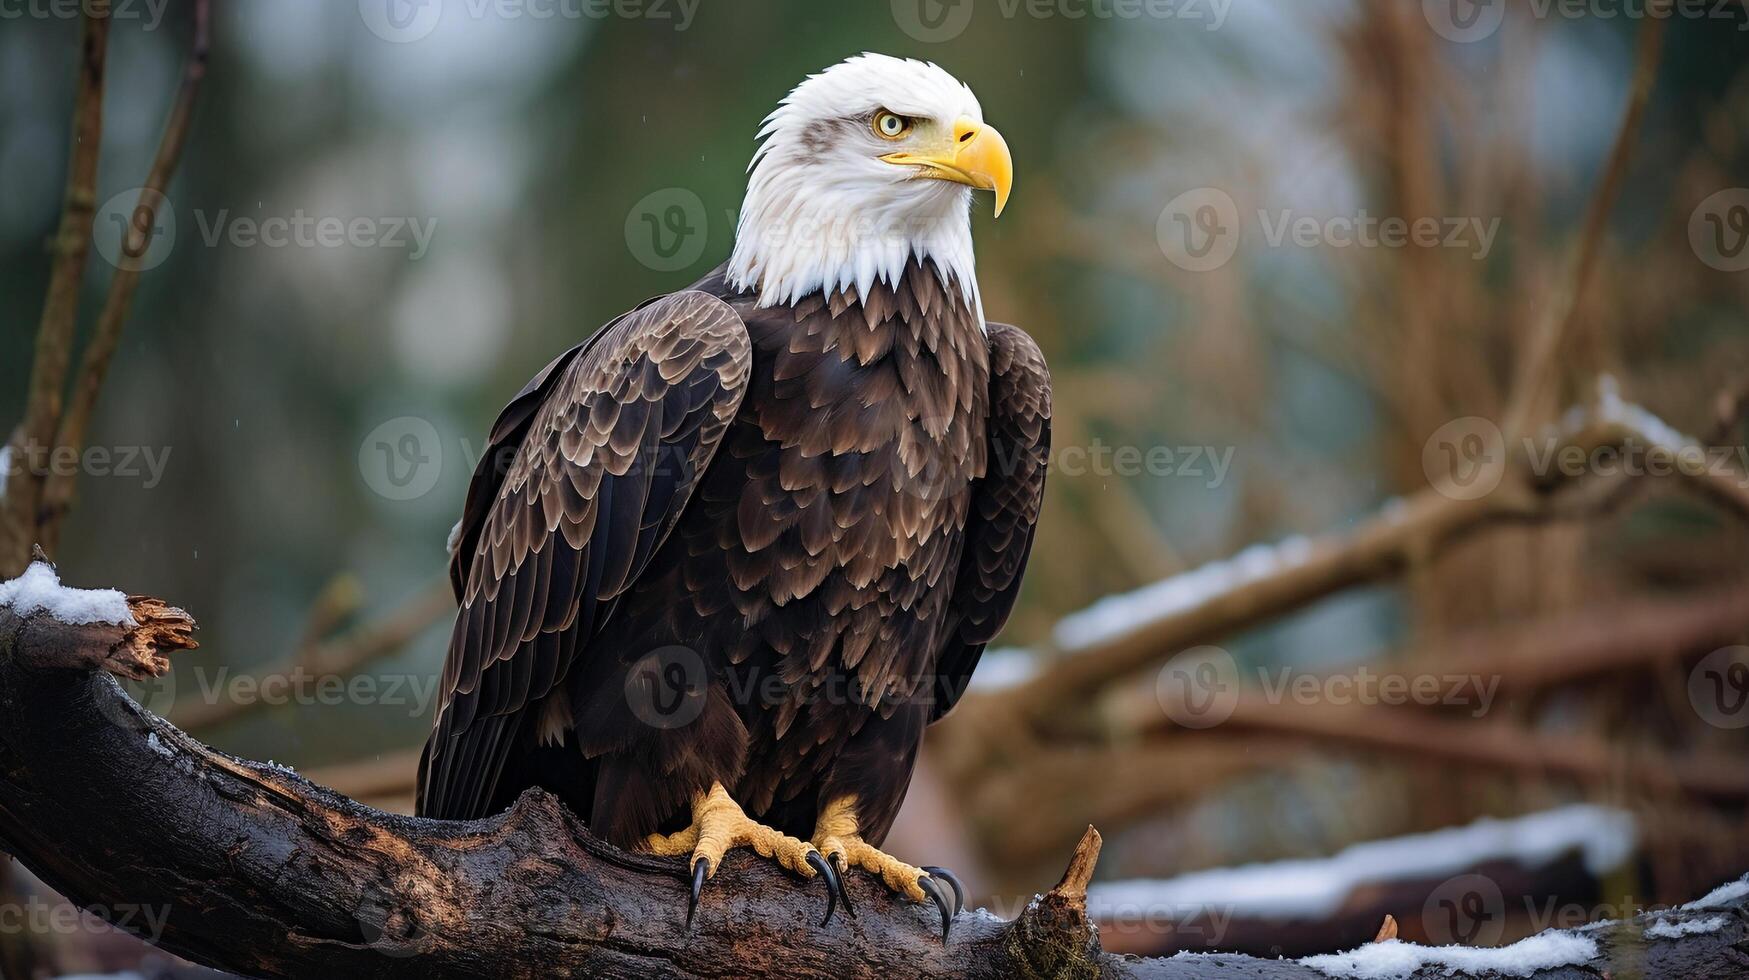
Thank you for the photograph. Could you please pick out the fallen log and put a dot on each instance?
(249, 868)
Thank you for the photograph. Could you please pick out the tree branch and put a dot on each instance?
(60, 315)
(59, 486)
(251, 868)
(257, 871)
(340, 657)
(1286, 580)
(1539, 369)
(1494, 746)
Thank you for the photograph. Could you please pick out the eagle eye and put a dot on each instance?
(890, 125)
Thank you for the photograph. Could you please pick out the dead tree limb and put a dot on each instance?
(1377, 549)
(1494, 746)
(339, 658)
(257, 871)
(1539, 368)
(58, 487)
(60, 315)
(252, 869)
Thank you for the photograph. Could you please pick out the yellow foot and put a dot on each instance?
(719, 826)
(836, 836)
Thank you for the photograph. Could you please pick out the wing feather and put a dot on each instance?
(589, 470)
(1005, 508)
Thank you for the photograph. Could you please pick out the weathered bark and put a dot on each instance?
(254, 870)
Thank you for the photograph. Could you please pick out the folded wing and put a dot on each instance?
(589, 469)
(1005, 508)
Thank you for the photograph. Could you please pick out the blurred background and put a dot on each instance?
(1290, 262)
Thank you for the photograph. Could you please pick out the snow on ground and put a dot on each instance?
(1115, 615)
(1316, 888)
(1721, 896)
(1395, 959)
(1693, 927)
(39, 589)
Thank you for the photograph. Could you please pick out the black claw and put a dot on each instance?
(698, 875)
(843, 890)
(935, 891)
(834, 887)
(959, 890)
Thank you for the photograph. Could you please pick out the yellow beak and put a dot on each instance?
(977, 156)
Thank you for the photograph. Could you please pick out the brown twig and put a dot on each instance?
(1540, 366)
(59, 487)
(60, 314)
(341, 657)
(1631, 634)
(1496, 747)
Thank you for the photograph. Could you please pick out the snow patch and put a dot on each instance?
(1721, 896)
(1693, 927)
(153, 743)
(1315, 888)
(39, 589)
(1612, 408)
(1115, 615)
(1395, 959)
(5, 468)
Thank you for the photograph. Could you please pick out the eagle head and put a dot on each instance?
(863, 167)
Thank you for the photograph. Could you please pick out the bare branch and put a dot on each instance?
(1378, 549)
(59, 487)
(1496, 747)
(1540, 368)
(60, 316)
(338, 658)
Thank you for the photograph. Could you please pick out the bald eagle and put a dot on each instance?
(728, 558)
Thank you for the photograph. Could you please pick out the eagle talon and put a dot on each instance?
(700, 871)
(938, 893)
(719, 825)
(837, 861)
(953, 881)
(834, 886)
(836, 836)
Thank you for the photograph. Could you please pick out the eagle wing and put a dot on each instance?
(1004, 510)
(589, 469)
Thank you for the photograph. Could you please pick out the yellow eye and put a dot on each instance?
(890, 125)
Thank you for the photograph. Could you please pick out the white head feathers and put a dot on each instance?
(823, 211)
